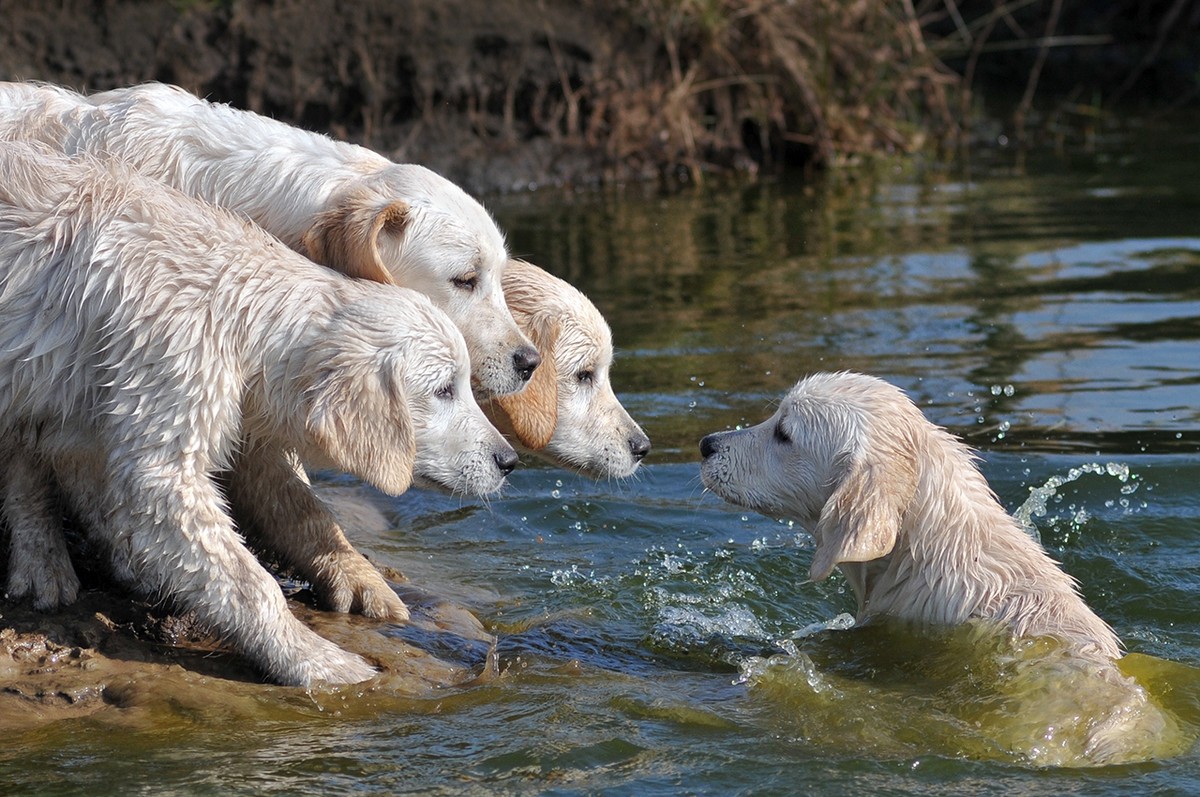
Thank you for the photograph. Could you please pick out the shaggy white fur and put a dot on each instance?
(150, 341)
(899, 505)
(569, 411)
(343, 205)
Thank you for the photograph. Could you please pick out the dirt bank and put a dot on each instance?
(511, 94)
(507, 94)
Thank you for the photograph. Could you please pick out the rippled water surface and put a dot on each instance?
(654, 640)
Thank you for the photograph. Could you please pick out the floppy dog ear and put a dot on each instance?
(366, 429)
(346, 236)
(534, 410)
(861, 520)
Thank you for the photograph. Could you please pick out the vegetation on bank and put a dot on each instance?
(560, 90)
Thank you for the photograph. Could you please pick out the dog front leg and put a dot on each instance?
(38, 561)
(269, 490)
(183, 544)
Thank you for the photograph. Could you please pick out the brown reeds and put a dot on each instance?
(583, 90)
(818, 80)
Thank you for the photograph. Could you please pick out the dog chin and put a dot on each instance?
(598, 468)
(724, 491)
(482, 392)
(430, 483)
(457, 488)
(608, 470)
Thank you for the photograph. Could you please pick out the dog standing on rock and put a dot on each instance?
(149, 340)
(343, 206)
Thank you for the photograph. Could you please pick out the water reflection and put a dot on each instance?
(1084, 299)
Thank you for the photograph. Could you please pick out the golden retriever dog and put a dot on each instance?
(340, 204)
(344, 206)
(900, 507)
(151, 341)
(568, 412)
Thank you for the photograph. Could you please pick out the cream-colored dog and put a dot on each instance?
(900, 507)
(151, 341)
(343, 205)
(569, 411)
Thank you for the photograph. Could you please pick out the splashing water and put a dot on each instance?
(1037, 504)
(841, 622)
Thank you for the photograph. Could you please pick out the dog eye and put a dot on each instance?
(468, 282)
(445, 393)
(781, 435)
(586, 376)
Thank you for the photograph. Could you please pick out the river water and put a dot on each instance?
(653, 640)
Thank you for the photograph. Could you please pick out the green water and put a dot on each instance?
(653, 640)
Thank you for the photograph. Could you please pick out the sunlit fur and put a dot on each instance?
(340, 204)
(343, 205)
(569, 411)
(901, 507)
(150, 341)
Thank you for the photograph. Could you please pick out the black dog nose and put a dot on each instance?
(708, 445)
(525, 361)
(639, 446)
(505, 460)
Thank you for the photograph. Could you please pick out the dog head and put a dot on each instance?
(568, 411)
(393, 399)
(408, 226)
(838, 455)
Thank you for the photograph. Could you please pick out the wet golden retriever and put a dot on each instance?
(343, 205)
(900, 507)
(151, 341)
(569, 411)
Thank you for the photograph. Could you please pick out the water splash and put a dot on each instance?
(1038, 503)
(840, 622)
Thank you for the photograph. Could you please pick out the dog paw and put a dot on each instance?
(330, 665)
(51, 588)
(347, 582)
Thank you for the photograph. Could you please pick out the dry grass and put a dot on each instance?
(506, 92)
(821, 80)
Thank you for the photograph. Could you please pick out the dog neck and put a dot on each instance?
(961, 556)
